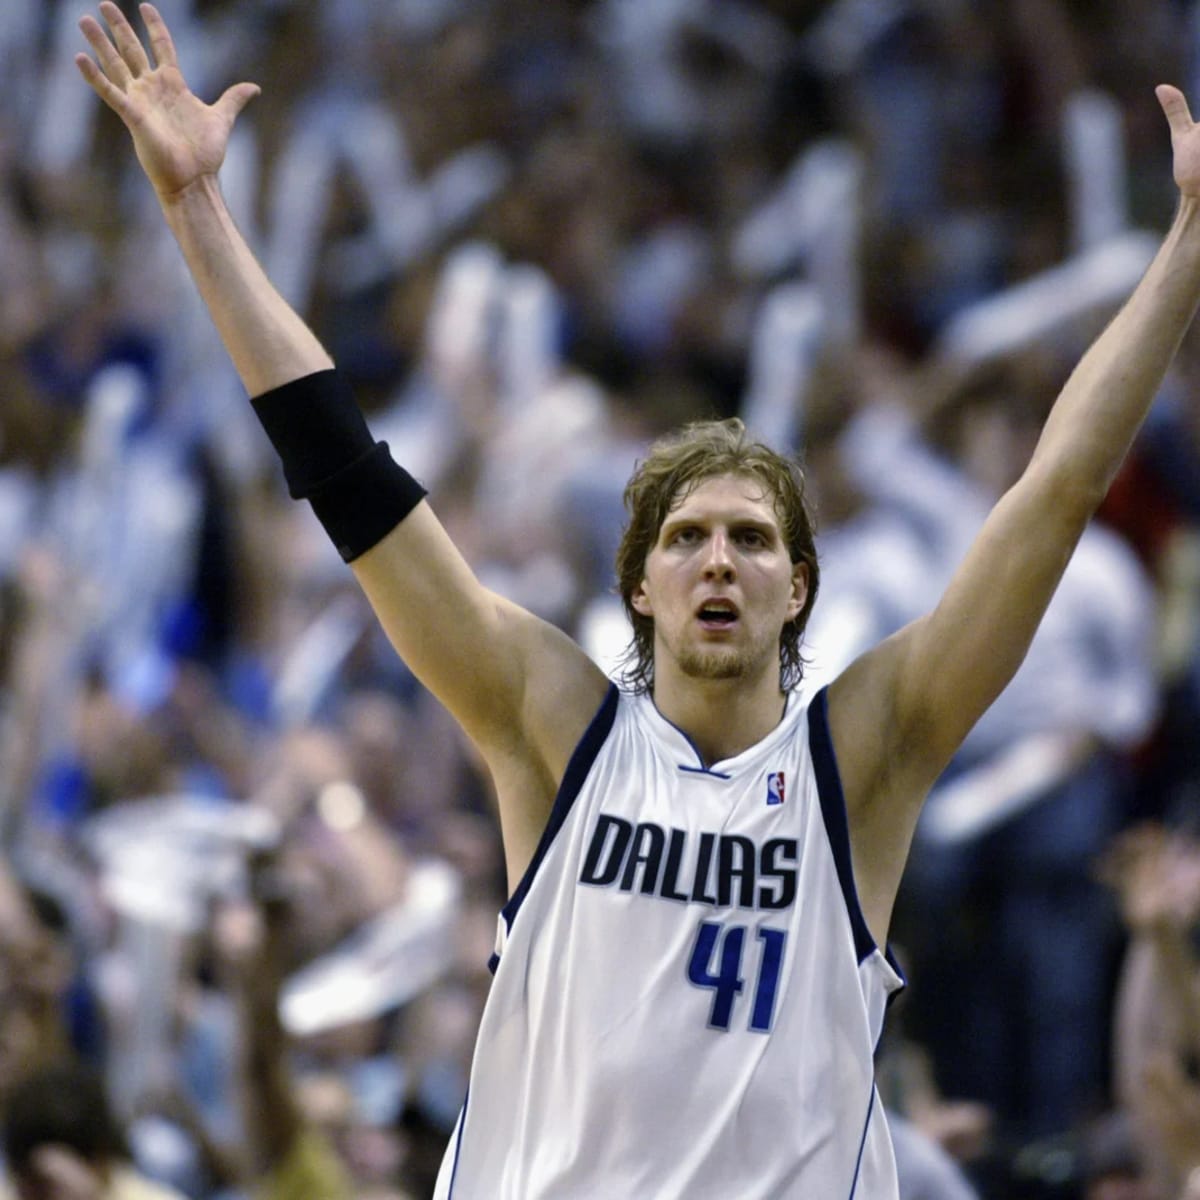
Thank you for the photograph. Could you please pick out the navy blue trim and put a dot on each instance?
(704, 771)
(572, 781)
(462, 1124)
(833, 811)
(862, 1143)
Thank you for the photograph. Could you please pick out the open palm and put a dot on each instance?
(177, 136)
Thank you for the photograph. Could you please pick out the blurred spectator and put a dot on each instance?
(1112, 1165)
(61, 1141)
(1156, 875)
(926, 1171)
(289, 1157)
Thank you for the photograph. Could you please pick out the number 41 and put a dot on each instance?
(726, 981)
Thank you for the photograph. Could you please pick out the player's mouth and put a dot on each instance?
(717, 614)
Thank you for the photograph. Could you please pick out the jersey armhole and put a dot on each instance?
(837, 826)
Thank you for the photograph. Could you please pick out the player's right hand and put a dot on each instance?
(179, 139)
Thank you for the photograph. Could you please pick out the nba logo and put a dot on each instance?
(775, 787)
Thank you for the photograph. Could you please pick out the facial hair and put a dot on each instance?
(724, 662)
(728, 661)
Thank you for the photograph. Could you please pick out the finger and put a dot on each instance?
(127, 41)
(234, 99)
(111, 63)
(160, 37)
(1175, 107)
(102, 85)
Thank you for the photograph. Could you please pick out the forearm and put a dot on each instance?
(267, 340)
(1139, 1026)
(1177, 971)
(1095, 419)
(270, 1110)
(1155, 1011)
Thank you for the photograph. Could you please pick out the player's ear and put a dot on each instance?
(640, 602)
(799, 590)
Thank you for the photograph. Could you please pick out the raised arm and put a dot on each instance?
(521, 689)
(180, 142)
(901, 711)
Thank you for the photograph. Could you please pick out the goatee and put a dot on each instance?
(713, 664)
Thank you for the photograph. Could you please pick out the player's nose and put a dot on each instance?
(718, 563)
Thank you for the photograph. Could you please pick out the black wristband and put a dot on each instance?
(357, 491)
(365, 501)
(316, 428)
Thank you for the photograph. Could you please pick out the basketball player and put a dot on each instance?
(690, 978)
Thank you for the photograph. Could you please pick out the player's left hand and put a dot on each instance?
(1185, 139)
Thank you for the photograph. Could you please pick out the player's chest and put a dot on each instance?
(696, 837)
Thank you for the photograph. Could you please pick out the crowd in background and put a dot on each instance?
(250, 869)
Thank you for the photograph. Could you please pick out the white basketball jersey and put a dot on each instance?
(687, 999)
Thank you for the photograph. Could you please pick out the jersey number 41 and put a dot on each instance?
(716, 963)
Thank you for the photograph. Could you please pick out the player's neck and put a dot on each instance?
(722, 717)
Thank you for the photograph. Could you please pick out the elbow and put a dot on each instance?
(1072, 488)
